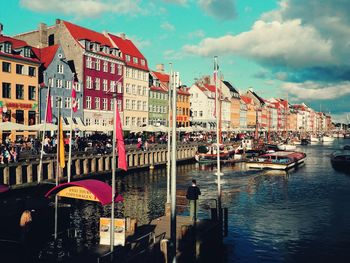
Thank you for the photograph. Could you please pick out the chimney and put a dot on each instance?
(1, 28)
(43, 40)
(122, 35)
(160, 67)
(58, 21)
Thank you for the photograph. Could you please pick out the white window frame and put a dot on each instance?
(104, 104)
(97, 103)
(97, 84)
(105, 85)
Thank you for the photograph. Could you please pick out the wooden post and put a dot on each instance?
(77, 167)
(100, 164)
(108, 163)
(93, 165)
(164, 244)
(29, 173)
(6, 173)
(86, 166)
(50, 173)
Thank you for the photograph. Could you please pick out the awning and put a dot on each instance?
(89, 189)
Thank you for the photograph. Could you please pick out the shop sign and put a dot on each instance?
(119, 231)
(78, 192)
(19, 105)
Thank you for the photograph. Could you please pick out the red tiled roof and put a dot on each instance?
(211, 88)
(162, 77)
(246, 99)
(154, 88)
(46, 54)
(79, 33)
(127, 47)
(16, 44)
(183, 92)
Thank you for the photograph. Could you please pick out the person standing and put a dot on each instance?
(192, 195)
(26, 239)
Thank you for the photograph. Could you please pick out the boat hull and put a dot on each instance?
(277, 161)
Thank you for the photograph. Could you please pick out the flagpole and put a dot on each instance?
(217, 112)
(113, 170)
(169, 135)
(43, 137)
(173, 172)
(69, 168)
(58, 162)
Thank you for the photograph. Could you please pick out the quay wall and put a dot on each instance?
(25, 173)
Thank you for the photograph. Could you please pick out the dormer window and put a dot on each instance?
(87, 45)
(106, 50)
(97, 47)
(7, 48)
(127, 57)
(143, 62)
(135, 60)
(27, 52)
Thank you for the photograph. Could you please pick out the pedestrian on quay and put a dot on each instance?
(192, 195)
(26, 238)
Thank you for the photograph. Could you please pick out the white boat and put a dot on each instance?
(326, 138)
(277, 161)
(314, 139)
(286, 147)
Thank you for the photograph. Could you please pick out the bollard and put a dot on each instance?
(164, 246)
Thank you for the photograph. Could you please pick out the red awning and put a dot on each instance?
(101, 190)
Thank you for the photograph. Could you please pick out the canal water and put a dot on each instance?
(299, 216)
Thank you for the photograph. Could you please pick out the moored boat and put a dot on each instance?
(207, 153)
(326, 138)
(278, 160)
(340, 160)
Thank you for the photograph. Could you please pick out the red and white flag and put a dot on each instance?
(74, 100)
(49, 108)
(120, 141)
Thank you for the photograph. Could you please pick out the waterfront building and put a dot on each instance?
(58, 73)
(19, 85)
(98, 65)
(158, 100)
(183, 107)
(292, 120)
(261, 107)
(136, 83)
(250, 111)
(234, 105)
(243, 114)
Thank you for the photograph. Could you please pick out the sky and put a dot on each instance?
(293, 49)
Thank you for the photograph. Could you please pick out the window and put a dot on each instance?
(119, 87)
(105, 85)
(31, 93)
(127, 72)
(77, 86)
(133, 73)
(144, 105)
(51, 82)
(112, 68)
(60, 68)
(119, 105)
(97, 121)
(200, 113)
(133, 121)
(135, 60)
(105, 66)
(144, 120)
(112, 86)
(139, 74)
(6, 90)
(104, 122)
(98, 64)
(133, 104)
(127, 121)
(59, 83)
(67, 103)
(112, 104)
(31, 117)
(19, 69)
(27, 52)
(88, 82)
(139, 90)
(133, 87)
(6, 67)
(68, 84)
(127, 88)
(7, 48)
(120, 70)
(138, 121)
(20, 116)
(88, 62)
(127, 57)
(19, 92)
(87, 122)
(127, 104)
(104, 104)
(144, 91)
(97, 83)
(58, 102)
(97, 103)
(143, 62)
(138, 105)
(88, 102)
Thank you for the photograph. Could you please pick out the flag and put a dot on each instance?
(74, 100)
(120, 141)
(61, 145)
(216, 68)
(49, 108)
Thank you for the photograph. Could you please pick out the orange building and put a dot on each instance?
(183, 107)
(19, 85)
(251, 111)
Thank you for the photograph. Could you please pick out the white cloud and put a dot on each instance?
(221, 9)
(196, 34)
(171, 54)
(83, 8)
(139, 42)
(167, 26)
(274, 43)
(316, 91)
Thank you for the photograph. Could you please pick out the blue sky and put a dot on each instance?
(293, 49)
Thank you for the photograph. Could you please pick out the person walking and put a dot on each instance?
(192, 195)
(26, 237)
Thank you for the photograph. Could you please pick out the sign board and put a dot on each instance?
(77, 192)
(119, 231)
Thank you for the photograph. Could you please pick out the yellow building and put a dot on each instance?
(183, 107)
(19, 86)
(251, 111)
